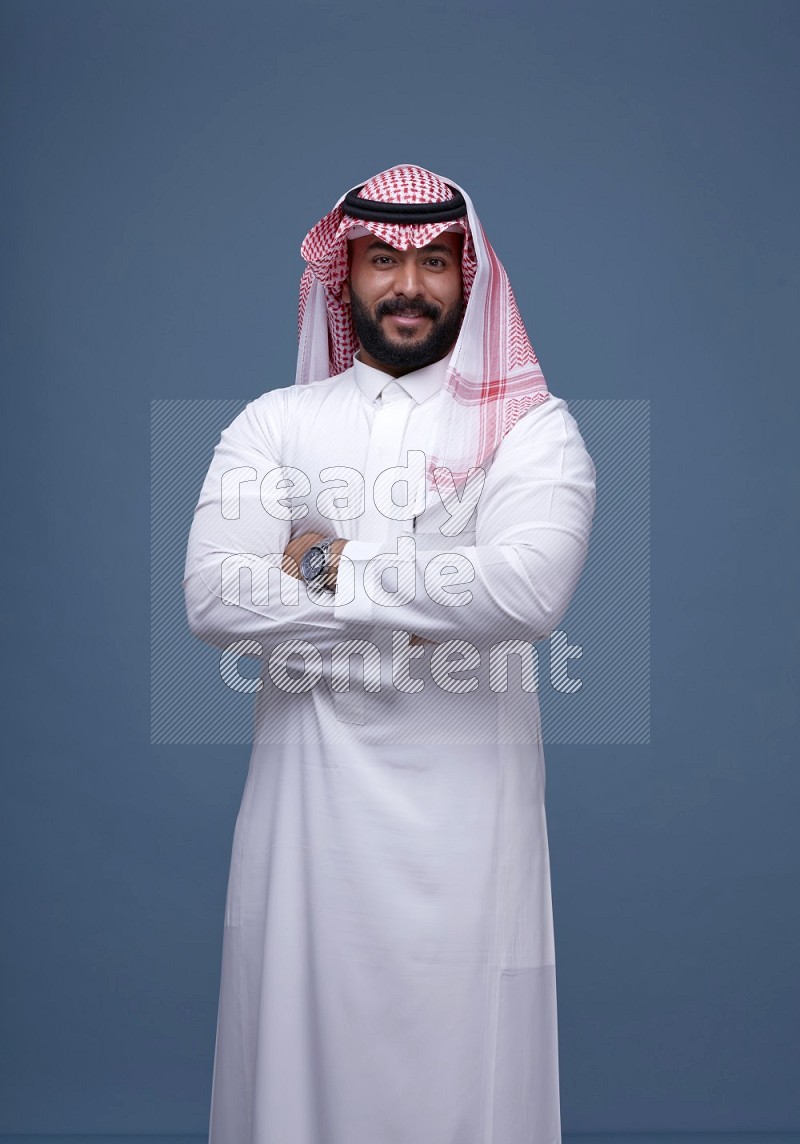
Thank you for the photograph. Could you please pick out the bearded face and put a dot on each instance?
(407, 306)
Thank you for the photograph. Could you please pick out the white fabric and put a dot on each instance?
(388, 966)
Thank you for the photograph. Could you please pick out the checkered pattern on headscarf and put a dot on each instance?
(493, 376)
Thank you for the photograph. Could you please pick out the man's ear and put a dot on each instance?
(346, 291)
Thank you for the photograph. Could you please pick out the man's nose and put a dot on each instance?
(408, 280)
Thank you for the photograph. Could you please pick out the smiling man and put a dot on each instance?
(406, 305)
(388, 969)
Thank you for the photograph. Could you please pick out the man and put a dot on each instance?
(390, 535)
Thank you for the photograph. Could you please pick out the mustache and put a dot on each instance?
(399, 306)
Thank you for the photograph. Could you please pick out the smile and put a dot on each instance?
(408, 321)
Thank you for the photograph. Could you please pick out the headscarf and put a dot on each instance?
(493, 377)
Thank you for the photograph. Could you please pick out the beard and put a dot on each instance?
(406, 355)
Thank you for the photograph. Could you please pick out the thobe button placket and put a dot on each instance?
(392, 409)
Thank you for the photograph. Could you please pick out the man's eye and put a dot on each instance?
(382, 258)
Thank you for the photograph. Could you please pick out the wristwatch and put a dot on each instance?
(316, 564)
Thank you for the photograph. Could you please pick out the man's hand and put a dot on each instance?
(297, 548)
(420, 641)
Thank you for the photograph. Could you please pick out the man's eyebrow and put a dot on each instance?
(439, 248)
(433, 247)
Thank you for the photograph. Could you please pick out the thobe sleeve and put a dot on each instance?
(532, 531)
(233, 584)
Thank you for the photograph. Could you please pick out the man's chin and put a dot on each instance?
(405, 337)
(411, 361)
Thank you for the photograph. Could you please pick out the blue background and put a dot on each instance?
(635, 165)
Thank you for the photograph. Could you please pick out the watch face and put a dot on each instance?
(312, 563)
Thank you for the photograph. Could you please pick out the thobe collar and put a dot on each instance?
(419, 384)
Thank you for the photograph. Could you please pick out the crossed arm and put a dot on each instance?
(532, 533)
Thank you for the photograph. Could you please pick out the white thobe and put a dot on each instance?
(388, 971)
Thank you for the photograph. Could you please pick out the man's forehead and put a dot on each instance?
(448, 240)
